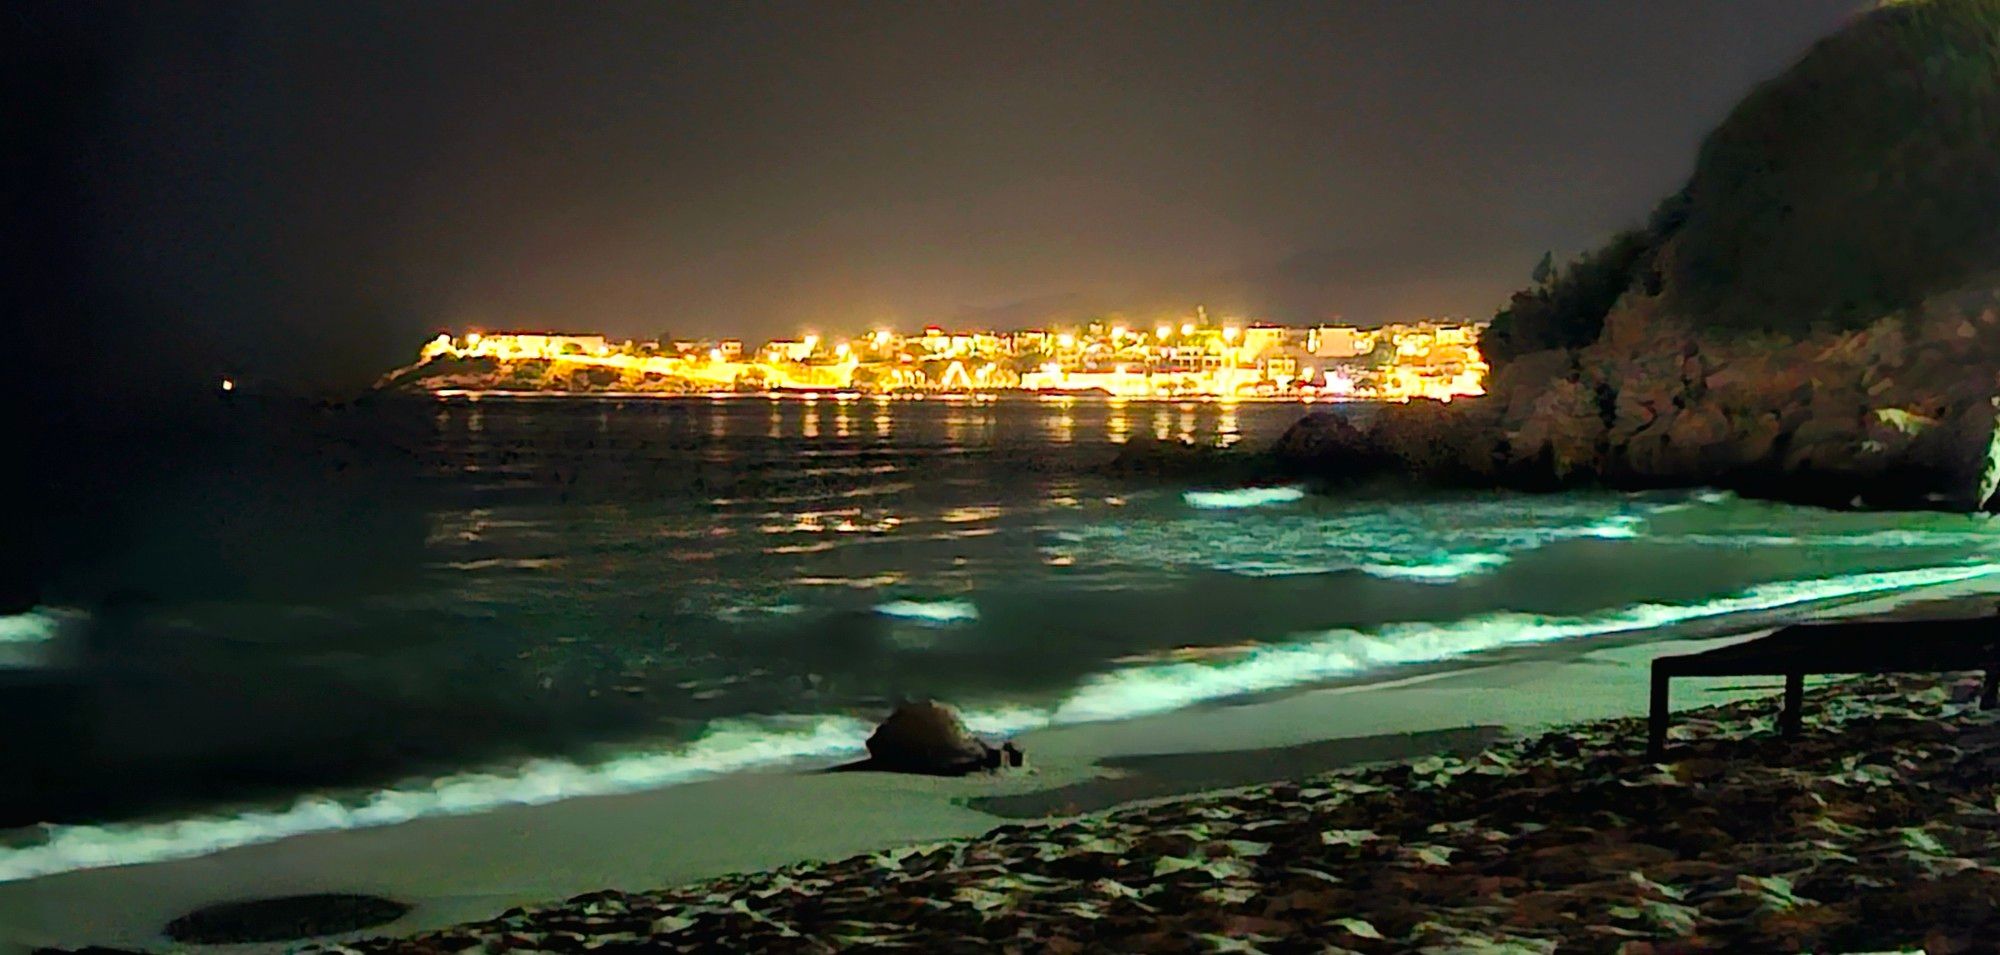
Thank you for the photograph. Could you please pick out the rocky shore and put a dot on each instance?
(1877, 831)
(1900, 414)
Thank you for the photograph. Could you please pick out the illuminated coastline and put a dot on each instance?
(1197, 359)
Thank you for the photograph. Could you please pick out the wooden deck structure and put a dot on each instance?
(1915, 646)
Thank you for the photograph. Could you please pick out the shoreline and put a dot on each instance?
(1871, 831)
(839, 394)
(460, 868)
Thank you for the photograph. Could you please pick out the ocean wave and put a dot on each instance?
(1144, 690)
(729, 746)
(1242, 497)
(39, 625)
(1889, 539)
(930, 611)
(738, 745)
(1431, 541)
(1444, 570)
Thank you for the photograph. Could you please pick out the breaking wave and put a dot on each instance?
(1429, 542)
(39, 625)
(1338, 653)
(732, 746)
(931, 611)
(1242, 497)
(729, 746)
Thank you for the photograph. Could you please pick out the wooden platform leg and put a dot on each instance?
(1989, 695)
(1795, 691)
(1656, 728)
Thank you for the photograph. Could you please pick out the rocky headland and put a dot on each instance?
(1815, 317)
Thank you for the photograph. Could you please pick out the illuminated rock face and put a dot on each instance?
(1900, 414)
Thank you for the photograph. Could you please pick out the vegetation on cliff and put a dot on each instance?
(1815, 317)
(1859, 182)
(530, 374)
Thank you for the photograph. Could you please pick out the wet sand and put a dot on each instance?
(455, 869)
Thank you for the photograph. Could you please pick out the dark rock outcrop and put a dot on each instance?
(1900, 414)
(1324, 443)
(928, 738)
(283, 919)
(1178, 460)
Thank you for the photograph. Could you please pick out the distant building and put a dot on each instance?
(789, 349)
(1262, 340)
(1339, 341)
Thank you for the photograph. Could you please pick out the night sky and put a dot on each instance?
(304, 191)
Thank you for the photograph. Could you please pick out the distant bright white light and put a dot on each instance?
(1229, 334)
(1187, 328)
(228, 385)
(715, 354)
(1066, 340)
(1162, 332)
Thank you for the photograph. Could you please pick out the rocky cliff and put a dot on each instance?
(1815, 317)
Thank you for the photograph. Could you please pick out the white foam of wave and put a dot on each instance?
(1242, 497)
(729, 746)
(1444, 570)
(1886, 539)
(1135, 692)
(931, 611)
(1615, 527)
(39, 625)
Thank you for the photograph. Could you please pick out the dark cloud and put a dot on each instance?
(303, 190)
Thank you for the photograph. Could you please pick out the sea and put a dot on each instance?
(583, 596)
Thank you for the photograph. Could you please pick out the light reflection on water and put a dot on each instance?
(606, 572)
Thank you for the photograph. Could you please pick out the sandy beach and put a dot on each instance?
(463, 868)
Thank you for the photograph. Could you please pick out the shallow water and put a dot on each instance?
(616, 595)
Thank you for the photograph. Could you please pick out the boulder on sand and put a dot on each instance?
(928, 737)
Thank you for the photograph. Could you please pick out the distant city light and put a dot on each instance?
(1430, 360)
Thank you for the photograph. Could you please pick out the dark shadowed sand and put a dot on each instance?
(1139, 778)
